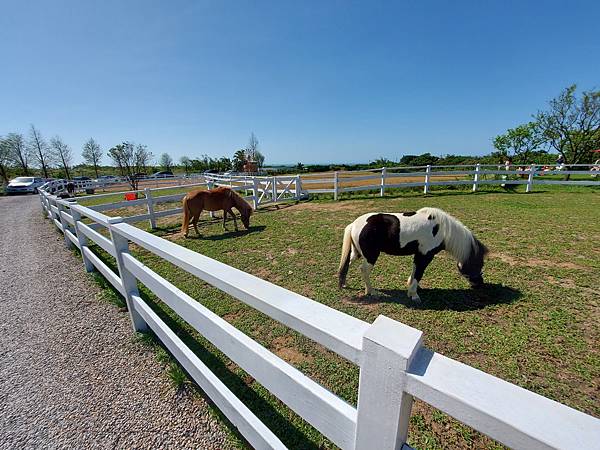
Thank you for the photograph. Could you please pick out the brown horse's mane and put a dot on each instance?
(239, 202)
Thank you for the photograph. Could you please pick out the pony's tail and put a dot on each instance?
(458, 239)
(345, 259)
(186, 217)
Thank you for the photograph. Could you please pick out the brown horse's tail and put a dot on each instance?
(186, 217)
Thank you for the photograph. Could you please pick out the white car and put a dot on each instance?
(24, 185)
(107, 179)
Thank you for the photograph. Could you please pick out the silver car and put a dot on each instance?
(24, 185)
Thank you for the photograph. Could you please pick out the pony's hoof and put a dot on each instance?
(374, 294)
(415, 298)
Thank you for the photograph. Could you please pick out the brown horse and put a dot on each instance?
(221, 198)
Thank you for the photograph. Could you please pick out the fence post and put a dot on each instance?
(476, 177)
(64, 223)
(383, 407)
(83, 241)
(274, 189)
(150, 203)
(530, 178)
(45, 204)
(53, 203)
(298, 187)
(336, 182)
(128, 280)
(255, 192)
(210, 184)
(383, 175)
(48, 206)
(427, 176)
(41, 196)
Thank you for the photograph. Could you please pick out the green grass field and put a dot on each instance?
(536, 324)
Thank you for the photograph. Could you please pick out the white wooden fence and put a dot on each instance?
(428, 176)
(259, 191)
(263, 190)
(394, 366)
(58, 186)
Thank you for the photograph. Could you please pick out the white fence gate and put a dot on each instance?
(394, 366)
(262, 190)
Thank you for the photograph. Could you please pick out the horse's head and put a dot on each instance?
(244, 208)
(245, 214)
(472, 268)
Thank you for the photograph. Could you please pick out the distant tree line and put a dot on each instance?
(569, 126)
(24, 155)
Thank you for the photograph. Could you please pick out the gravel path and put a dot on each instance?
(71, 375)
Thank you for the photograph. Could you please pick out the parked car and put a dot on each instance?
(81, 179)
(107, 179)
(162, 174)
(24, 185)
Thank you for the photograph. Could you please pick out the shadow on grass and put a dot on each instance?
(227, 234)
(175, 228)
(290, 435)
(446, 299)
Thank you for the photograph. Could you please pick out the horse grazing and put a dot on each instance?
(423, 234)
(221, 198)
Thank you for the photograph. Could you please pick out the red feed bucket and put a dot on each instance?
(131, 196)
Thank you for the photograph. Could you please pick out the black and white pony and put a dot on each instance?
(423, 233)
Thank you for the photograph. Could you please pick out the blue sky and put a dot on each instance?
(316, 81)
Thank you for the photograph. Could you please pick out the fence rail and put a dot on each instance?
(259, 191)
(427, 176)
(394, 367)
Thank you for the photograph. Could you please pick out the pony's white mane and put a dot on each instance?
(458, 239)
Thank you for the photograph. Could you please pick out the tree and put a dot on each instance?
(252, 147)
(92, 154)
(259, 159)
(224, 164)
(419, 160)
(19, 153)
(5, 159)
(143, 157)
(239, 159)
(131, 160)
(382, 162)
(62, 152)
(520, 142)
(571, 125)
(40, 150)
(166, 162)
(186, 163)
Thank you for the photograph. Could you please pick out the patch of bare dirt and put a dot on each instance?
(546, 263)
(570, 284)
(536, 262)
(232, 316)
(266, 274)
(332, 206)
(368, 302)
(282, 346)
(445, 430)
